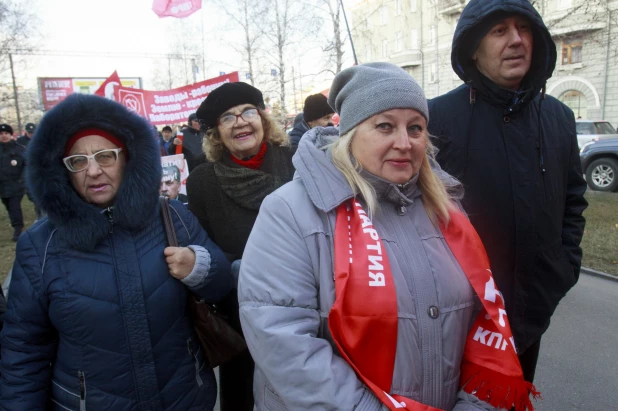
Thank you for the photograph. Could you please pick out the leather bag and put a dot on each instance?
(219, 341)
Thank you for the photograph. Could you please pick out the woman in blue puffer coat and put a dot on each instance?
(97, 317)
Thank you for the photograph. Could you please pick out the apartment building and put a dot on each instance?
(417, 34)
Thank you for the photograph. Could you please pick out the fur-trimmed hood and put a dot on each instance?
(83, 225)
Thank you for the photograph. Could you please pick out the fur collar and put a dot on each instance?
(82, 224)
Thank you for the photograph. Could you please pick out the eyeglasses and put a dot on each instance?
(249, 115)
(79, 162)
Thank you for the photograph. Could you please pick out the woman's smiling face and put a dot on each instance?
(391, 144)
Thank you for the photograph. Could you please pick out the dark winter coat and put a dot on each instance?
(300, 128)
(95, 321)
(12, 165)
(24, 140)
(226, 197)
(191, 147)
(516, 154)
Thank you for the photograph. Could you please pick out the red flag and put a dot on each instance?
(176, 8)
(107, 88)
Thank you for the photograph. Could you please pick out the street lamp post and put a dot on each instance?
(349, 33)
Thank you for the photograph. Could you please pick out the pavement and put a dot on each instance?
(578, 365)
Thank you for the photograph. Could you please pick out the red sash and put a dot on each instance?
(363, 319)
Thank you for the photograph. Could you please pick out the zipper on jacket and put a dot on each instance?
(196, 362)
(110, 218)
(82, 391)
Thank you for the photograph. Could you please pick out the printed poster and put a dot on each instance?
(174, 178)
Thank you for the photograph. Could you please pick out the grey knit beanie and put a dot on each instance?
(363, 91)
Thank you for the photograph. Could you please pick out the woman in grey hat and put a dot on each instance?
(359, 280)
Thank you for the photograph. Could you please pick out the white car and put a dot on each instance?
(590, 130)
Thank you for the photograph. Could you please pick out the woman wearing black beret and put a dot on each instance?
(248, 159)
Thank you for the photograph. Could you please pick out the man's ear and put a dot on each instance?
(474, 56)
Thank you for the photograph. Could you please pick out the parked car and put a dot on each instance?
(589, 130)
(600, 163)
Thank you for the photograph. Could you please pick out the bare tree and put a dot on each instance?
(286, 25)
(335, 46)
(18, 34)
(246, 14)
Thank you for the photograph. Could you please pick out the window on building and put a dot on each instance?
(384, 14)
(398, 6)
(432, 35)
(385, 48)
(414, 39)
(563, 4)
(433, 75)
(368, 56)
(398, 41)
(572, 50)
(577, 102)
(413, 6)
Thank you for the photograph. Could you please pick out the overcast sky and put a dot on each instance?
(131, 27)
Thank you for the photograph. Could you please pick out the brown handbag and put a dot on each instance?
(219, 341)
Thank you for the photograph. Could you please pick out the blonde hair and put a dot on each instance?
(214, 148)
(436, 199)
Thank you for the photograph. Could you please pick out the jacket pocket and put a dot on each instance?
(272, 402)
(63, 398)
(194, 353)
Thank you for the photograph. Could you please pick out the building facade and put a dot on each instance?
(417, 35)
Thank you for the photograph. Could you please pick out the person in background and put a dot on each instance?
(515, 150)
(248, 158)
(166, 141)
(171, 184)
(192, 141)
(24, 141)
(316, 113)
(97, 316)
(359, 281)
(29, 132)
(12, 166)
(300, 128)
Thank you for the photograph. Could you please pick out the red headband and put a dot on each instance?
(95, 132)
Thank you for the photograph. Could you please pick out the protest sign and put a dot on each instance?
(174, 179)
(55, 89)
(170, 106)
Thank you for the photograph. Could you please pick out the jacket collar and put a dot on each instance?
(511, 101)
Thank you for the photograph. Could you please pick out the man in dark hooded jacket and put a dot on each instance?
(515, 150)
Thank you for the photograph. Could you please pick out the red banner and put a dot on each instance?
(176, 8)
(54, 90)
(170, 106)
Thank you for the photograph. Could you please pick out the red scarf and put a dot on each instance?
(366, 334)
(254, 162)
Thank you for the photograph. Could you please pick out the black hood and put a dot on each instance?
(475, 14)
(83, 225)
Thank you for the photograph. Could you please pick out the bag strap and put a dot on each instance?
(170, 232)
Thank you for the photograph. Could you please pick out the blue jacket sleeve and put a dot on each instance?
(217, 283)
(29, 340)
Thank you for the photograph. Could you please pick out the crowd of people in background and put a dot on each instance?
(363, 260)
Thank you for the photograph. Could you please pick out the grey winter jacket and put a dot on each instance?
(286, 291)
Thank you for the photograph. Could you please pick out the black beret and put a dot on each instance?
(30, 127)
(224, 98)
